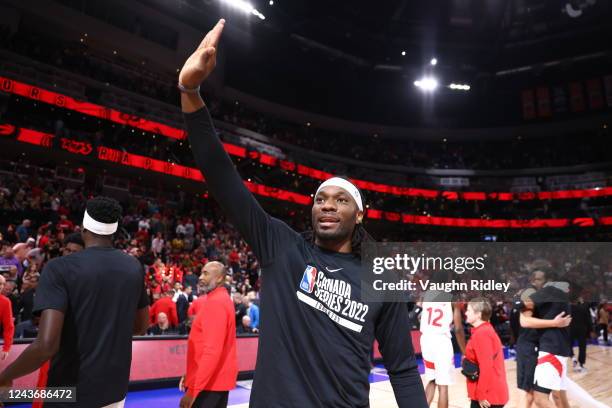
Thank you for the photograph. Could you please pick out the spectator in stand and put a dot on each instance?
(23, 231)
(162, 327)
(240, 308)
(8, 261)
(189, 294)
(180, 229)
(73, 243)
(245, 326)
(178, 243)
(484, 348)
(157, 245)
(182, 303)
(166, 305)
(234, 261)
(144, 224)
(178, 291)
(45, 238)
(142, 236)
(189, 228)
(27, 292)
(253, 313)
(65, 224)
(20, 252)
(12, 294)
(28, 329)
(6, 319)
(189, 279)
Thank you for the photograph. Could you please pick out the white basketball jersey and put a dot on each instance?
(436, 318)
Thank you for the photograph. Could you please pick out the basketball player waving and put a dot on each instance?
(316, 331)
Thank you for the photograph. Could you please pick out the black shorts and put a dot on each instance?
(526, 361)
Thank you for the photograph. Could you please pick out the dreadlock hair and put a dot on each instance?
(360, 235)
(104, 209)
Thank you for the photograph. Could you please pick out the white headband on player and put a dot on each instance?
(345, 185)
(98, 227)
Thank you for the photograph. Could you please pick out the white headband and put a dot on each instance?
(345, 185)
(97, 227)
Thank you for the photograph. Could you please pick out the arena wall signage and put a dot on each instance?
(149, 164)
(86, 108)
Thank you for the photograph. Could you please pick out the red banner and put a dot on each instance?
(62, 101)
(176, 170)
(31, 136)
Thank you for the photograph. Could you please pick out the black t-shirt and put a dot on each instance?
(316, 331)
(527, 337)
(99, 289)
(549, 302)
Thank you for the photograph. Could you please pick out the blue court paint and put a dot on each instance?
(170, 397)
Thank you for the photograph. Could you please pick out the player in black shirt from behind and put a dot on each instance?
(316, 331)
(91, 303)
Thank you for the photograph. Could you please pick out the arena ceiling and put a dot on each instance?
(359, 59)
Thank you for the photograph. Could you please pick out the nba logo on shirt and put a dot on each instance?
(309, 278)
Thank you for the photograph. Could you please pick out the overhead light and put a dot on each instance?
(271, 2)
(433, 61)
(426, 83)
(244, 6)
(403, 52)
(459, 87)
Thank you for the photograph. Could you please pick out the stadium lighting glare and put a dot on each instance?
(403, 52)
(459, 87)
(427, 83)
(271, 2)
(433, 61)
(245, 7)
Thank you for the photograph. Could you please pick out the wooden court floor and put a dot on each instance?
(597, 381)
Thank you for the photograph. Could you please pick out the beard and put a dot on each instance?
(341, 233)
(207, 288)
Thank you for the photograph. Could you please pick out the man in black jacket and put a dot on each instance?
(316, 331)
(580, 330)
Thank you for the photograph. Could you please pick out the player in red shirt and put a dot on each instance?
(212, 365)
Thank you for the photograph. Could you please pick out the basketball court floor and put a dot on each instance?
(597, 381)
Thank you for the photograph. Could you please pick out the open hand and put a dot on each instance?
(562, 320)
(186, 401)
(202, 62)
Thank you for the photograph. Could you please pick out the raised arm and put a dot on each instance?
(224, 182)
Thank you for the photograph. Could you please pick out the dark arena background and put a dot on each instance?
(459, 121)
